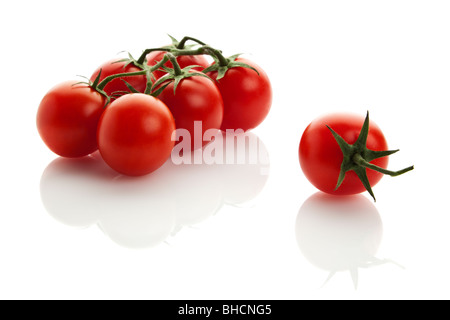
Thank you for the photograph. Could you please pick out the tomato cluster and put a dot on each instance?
(132, 110)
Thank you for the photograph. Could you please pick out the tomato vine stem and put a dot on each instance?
(223, 62)
(176, 67)
(182, 43)
(104, 82)
(108, 79)
(173, 51)
(141, 59)
(358, 159)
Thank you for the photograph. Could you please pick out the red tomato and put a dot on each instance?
(184, 61)
(196, 99)
(110, 68)
(321, 157)
(135, 134)
(247, 96)
(67, 119)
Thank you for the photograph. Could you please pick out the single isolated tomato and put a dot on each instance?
(195, 100)
(184, 61)
(345, 154)
(247, 96)
(113, 67)
(135, 134)
(67, 119)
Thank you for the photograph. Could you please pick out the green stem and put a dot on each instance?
(205, 49)
(223, 62)
(101, 86)
(359, 160)
(187, 52)
(160, 64)
(185, 39)
(141, 59)
(108, 79)
(176, 66)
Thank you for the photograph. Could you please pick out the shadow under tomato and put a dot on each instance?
(143, 212)
(340, 233)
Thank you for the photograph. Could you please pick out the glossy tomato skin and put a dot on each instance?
(196, 99)
(135, 134)
(247, 96)
(184, 61)
(321, 157)
(111, 68)
(67, 119)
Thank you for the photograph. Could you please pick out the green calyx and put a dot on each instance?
(175, 75)
(357, 158)
(95, 86)
(130, 60)
(223, 64)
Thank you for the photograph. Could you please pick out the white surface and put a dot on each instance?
(391, 57)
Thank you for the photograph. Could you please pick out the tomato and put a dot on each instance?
(117, 85)
(184, 61)
(196, 99)
(67, 119)
(135, 134)
(247, 96)
(321, 157)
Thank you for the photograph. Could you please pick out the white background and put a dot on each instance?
(389, 57)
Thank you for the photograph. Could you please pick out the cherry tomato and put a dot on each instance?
(184, 61)
(196, 99)
(321, 157)
(247, 96)
(117, 85)
(135, 134)
(67, 119)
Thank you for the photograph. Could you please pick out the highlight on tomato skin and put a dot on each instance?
(67, 119)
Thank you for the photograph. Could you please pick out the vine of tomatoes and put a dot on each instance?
(134, 110)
